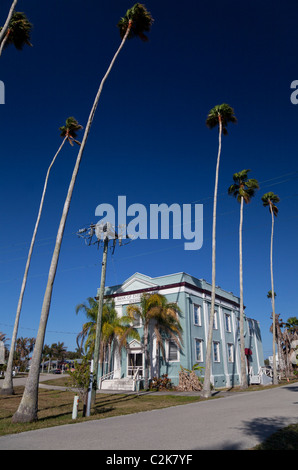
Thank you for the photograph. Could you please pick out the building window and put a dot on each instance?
(230, 352)
(216, 356)
(228, 322)
(215, 320)
(197, 315)
(172, 350)
(198, 350)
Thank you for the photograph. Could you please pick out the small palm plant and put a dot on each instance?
(243, 189)
(219, 116)
(18, 32)
(270, 200)
(68, 132)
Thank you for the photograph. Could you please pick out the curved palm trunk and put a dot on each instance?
(4, 41)
(7, 388)
(275, 380)
(206, 392)
(242, 345)
(27, 410)
(6, 24)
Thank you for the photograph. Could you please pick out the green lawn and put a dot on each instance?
(55, 407)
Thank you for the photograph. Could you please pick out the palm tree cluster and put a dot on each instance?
(24, 347)
(286, 334)
(243, 189)
(16, 30)
(56, 352)
(115, 330)
(157, 317)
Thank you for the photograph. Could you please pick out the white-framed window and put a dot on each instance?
(215, 327)
(172, 351)
(197, 317)
(216, 355)
(228, 323)
(230, 347)
(198, 350)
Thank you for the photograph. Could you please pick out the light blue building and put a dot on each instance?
(193, 296)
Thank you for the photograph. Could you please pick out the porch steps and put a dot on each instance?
(118, 384)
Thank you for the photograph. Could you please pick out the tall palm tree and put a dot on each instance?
(270, 200)
(17, 32)
(27, 410)
(163, 316)
(243, 189)
(69, 133)
(219, 116)
(87, 335)
(3, 29)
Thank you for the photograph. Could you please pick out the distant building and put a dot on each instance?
(193, 296)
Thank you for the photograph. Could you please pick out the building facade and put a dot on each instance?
(193, 296)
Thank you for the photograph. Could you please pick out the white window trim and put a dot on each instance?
(218, 351)
(228, 323)
(168, 350)
(230, 347)
(201, 347)
(199, 315)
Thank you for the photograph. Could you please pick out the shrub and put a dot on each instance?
(161, 383)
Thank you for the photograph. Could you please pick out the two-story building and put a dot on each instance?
(193, 296)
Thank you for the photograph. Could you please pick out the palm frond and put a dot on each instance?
(19, 30)
(243, 187)
(139, 19)
(222, 112)
(270, 199)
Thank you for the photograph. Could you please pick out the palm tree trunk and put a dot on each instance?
(242, 345)
(10, 13)
(7, 388)
(27, 410)
(275, 380)
(206, 392)
(2, 44)
(99, 318)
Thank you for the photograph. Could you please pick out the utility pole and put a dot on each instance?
(104, 233)
(99, 318)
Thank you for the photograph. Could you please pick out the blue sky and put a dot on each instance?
(149, 142)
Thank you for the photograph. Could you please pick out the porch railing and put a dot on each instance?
(108, 376)
(131, 371)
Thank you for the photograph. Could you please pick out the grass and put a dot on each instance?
(55, 407)
(284, 439)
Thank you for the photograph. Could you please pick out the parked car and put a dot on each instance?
(56, 371)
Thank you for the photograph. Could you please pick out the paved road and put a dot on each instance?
(238, 421)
